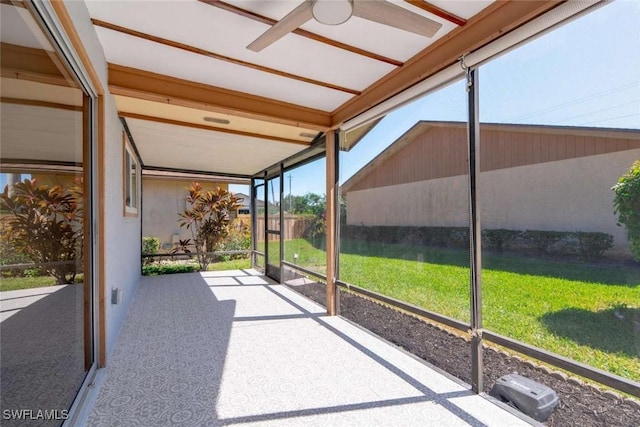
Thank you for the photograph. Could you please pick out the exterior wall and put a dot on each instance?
(568, 195)
(122, 234)
(442, 202)
(163, 200)
(62, 179)
(121, 259)
(437, 151)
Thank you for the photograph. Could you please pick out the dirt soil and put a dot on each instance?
(581, 404)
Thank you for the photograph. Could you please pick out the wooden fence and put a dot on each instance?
(295, 226)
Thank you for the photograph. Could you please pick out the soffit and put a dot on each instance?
(184, 148)
(26, 90)
(131, 107)
(42, 134)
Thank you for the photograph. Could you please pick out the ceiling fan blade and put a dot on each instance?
(389, 14)
(290, 22)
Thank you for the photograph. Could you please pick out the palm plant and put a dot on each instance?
(208, 218)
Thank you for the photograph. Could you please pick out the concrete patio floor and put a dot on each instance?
(231, 348)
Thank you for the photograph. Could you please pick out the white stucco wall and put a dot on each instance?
(569, 195)
(163, 200)
(122, 255)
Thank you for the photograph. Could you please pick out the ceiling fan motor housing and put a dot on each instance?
(332, 12)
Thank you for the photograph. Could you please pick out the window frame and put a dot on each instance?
(129, 158)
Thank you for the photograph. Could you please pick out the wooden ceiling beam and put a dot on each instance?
(210, 128)
(155, 87)
(426, 6)
(16, 3)
(213, 55)
(28, 59)
(333, 43)
(488, 25)
(39, 65)
(48, 79)
(38, 103)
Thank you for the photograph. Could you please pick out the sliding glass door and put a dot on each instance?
(46, 289)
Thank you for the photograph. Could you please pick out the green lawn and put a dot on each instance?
(586, 312)
(15, 283)
(234, 264)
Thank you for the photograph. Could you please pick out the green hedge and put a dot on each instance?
(427, 236)
(587, 245)
(159, 269)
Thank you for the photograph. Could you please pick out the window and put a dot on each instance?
(131, 180)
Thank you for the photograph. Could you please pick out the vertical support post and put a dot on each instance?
(330, 226)
(475, 231)
(266, 223)
(336, 244)
(254, 221)
(281, 222)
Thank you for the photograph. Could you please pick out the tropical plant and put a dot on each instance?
(182, 247)
(238, 239)
(44, 223)
(627, 205)
(208, 218)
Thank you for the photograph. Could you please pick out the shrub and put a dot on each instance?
(158, 269)
(238, 239)
(10, 255)
(428, 236)
(501, 238)
(627, 206)
(33, 272)
(542, 240)
(150, 245)
(44, 224)
(592, 245)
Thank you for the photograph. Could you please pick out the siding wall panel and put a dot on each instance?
(435, 152)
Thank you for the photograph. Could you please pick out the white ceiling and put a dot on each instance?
(206, 27)
(377, 38)
(279, 73)
(41, 133)
(19, 28)
(181, 147)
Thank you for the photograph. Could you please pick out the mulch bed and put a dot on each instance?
(580, 403)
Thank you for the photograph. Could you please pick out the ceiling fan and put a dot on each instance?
(336, 12)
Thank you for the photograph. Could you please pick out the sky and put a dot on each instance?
(583, 74)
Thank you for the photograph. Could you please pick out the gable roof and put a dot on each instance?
(424, 126)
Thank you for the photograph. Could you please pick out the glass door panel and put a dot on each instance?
(46, 322)
(272, 218)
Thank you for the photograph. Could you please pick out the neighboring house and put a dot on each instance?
(245, 200)
(532, 177)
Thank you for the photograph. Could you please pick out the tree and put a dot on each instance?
(209, 217)
(309, 204)
(44, 223)
(627, 205)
